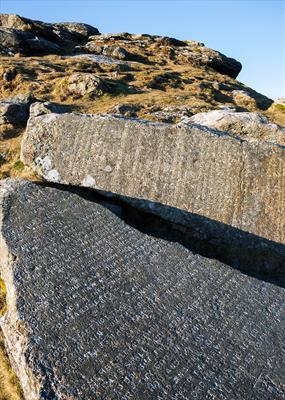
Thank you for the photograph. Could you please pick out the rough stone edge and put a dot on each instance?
(14, 331)
(52, 175)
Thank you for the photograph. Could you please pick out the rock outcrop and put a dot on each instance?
(15, 111)
(149, 263)
(190, 167)
(122, 46)
(246, 125)
(96, 309)
(28, 37)
(87, 84)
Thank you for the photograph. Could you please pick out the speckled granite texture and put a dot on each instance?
(98, 310)
(187, 166)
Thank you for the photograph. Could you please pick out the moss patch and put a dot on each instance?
(3, 293)
(19, 165)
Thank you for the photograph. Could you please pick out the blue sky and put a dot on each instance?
(252, 31)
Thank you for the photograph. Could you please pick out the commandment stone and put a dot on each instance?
(99, 310)
(187, 166)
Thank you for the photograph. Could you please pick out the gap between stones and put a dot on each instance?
(252, 255)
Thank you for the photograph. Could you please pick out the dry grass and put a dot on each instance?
(10, 145)
(161, 83)
(277, 114)
(9, 385)
(192, 86)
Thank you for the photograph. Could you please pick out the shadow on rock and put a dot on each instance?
(253, 255)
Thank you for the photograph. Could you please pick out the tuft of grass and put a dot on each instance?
(3, 292)
(19, 165)
(279, 107)
(9, 385)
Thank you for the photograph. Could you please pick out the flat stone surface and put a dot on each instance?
(98, 310)
(193, 168)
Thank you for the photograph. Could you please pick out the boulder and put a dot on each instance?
(81, 84)
(30, 37)
(97, 309)
(15, 111)
(14, 41)
(169, 41)
(26, 43)
(74, 31)
(14, 21)
(38, 45)
(190, 167)
(10, 74)
(115, 51)
(247, 125)
(39, 108)
(224, 65)
(64, 31)
(199, 54)
(171, 114)
(128, 110)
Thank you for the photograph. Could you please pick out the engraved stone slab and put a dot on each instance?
(190, 167)
(98, 310)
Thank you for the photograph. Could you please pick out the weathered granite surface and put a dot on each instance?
(193, 168)
(247, 125)
(98, 310)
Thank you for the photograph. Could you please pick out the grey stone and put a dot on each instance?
(16, 110)
(247, 125)
(169, 41)
(93, 48)
(40, 45)
(16, 41)
(100, 59)
(225, 65)
(13, 41)
(115, 51)
(75, 31)
(39, 108)
(23, 35)
(10, 74)
(194, 52)
(62, 31)
(172, 114)
(200, 54)
(3, 157)
(128, 110)
(82, 84)
(96, 309)
(190, 167)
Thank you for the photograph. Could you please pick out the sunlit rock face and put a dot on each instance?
(190, 167)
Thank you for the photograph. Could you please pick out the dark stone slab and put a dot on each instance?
(98, 310)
